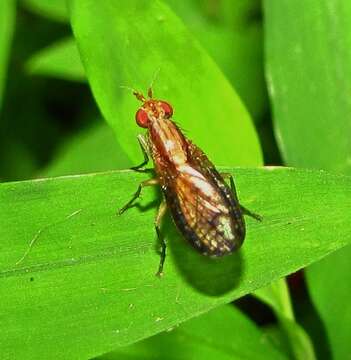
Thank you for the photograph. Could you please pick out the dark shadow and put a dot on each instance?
(256, 310)
(211, 276)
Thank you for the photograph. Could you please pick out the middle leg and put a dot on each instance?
(145, 149)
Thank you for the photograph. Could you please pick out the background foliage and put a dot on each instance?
(87, 287)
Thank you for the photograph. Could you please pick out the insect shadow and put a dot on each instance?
(212, 276)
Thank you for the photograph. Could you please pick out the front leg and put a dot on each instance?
(145, 149)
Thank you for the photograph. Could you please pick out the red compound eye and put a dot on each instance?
(167, 109)
(141, 118)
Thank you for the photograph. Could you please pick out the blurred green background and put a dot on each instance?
(289, 63)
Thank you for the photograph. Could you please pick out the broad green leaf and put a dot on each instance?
(59, 60)
(81, 155)
(53, 9)
(93, 150)
(223, 333)
(88, 284)
(7, 20)
(308, 63)
(96, 149)
(129, 43)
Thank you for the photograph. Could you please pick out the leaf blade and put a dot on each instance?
(89, 265)
(313, 58)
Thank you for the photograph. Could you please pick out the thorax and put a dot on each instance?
(168, 144)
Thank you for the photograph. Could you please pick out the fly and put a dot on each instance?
(204, 208)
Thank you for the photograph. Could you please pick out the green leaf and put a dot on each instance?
(234, 40)
(7, 22)
(88, 284)
(309, 78)
(59, 60)
(96, 149)
(308, 55)
(277, 297)
(223, 333)
(329, 283)
(297, 343)
(80, 155)
(93, 150)
(53, 9)
(126, 43)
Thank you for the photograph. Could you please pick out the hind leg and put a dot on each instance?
(244, 210)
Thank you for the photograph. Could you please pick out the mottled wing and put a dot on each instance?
(204, 208)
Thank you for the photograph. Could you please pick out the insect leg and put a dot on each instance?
(243, 209)
(149, 182)
(145, 149)
(161, 211)
(250, 213)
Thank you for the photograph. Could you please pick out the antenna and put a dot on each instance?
(156, 73)
(136, 93)
(128, 88)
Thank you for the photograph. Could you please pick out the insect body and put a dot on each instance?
(205, 209)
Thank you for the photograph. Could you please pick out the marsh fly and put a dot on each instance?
(204, 208)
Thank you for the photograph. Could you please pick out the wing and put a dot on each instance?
(205, 210)
(202, 205)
